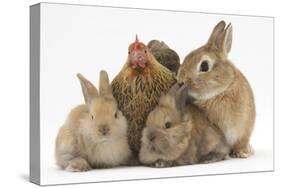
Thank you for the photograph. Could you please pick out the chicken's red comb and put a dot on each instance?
(136, 46)
(137, 39)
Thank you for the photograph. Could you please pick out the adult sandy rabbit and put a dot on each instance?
(220, 90)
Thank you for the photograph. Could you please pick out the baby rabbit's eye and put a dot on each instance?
(204, 67)
(168, 125)
(115, 115)
(92, 117)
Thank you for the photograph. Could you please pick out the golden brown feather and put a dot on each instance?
(137, 90)
(164, 55)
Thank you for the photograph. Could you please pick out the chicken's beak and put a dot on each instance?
(138, 59)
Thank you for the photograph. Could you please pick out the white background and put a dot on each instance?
(87, 39)
(14, 96)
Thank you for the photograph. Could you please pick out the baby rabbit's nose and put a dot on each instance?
(180, 83)
(151, 136)
(104, 130)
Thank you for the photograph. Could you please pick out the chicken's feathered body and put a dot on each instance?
(165, 55)
(137, 93)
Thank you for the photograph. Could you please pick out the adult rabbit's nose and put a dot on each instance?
(181, 83)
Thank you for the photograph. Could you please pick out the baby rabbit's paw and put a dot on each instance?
(242, 153)
(214, 157)
(162, 163)
(78, 165)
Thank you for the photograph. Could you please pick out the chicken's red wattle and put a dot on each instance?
(138, 64)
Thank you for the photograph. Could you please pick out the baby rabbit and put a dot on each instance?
(180, 135)
(220, 90)
(94, 134)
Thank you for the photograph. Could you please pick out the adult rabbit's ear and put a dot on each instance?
(221, 37)
(226, 40)
(216, 34)
(89, 90)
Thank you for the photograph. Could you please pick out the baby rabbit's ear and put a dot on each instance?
(221, 38)
(88, 89)
(183, 99)
(174, 89)
(104, 88)
(168, 101)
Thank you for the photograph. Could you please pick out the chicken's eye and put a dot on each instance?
(145, 51)
(168, 125)
(129, 52)
(204, 67)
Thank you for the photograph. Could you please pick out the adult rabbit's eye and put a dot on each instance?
(92, 117)
(168, 125)
(204, 67)
(115, 115)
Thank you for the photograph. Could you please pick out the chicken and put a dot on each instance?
(138, 87)
(164, 55)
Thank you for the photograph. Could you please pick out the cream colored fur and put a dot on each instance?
(94, 134)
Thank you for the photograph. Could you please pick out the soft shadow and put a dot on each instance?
(24, 177)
